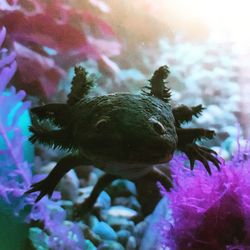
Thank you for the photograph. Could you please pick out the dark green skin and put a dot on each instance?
(124, 128)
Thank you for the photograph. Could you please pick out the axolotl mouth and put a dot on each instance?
(133, 148)
(154, 150)
(132, 160)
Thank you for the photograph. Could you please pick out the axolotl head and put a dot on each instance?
(126, 129)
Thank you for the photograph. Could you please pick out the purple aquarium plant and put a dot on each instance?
(15, 172)
(209, 212)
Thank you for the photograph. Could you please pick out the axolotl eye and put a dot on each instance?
(101, 124)
(158, 127)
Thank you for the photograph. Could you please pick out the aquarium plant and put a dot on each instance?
(209, 212)
(49, 37)
(15, 172)
(17, 215)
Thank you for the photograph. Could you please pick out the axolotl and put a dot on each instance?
(126, 135)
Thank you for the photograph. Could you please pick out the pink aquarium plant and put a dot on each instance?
(51, 36)
(209, 212)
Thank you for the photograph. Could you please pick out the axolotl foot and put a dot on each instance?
(79, 210)
(45, 186)
(202, 154)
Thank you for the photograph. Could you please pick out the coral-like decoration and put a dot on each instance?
(210, 212)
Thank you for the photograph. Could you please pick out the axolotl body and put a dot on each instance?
(123, 134)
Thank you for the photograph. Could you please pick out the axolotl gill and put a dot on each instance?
(123, 134)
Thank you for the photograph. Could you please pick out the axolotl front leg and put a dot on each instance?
(47, 185)
(188, 136)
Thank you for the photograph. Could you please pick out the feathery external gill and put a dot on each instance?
(81, 84)
(158, 83)
(190, 135)
(55, 138)
(184, 113)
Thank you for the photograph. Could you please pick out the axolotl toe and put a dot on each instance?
(123, 134)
